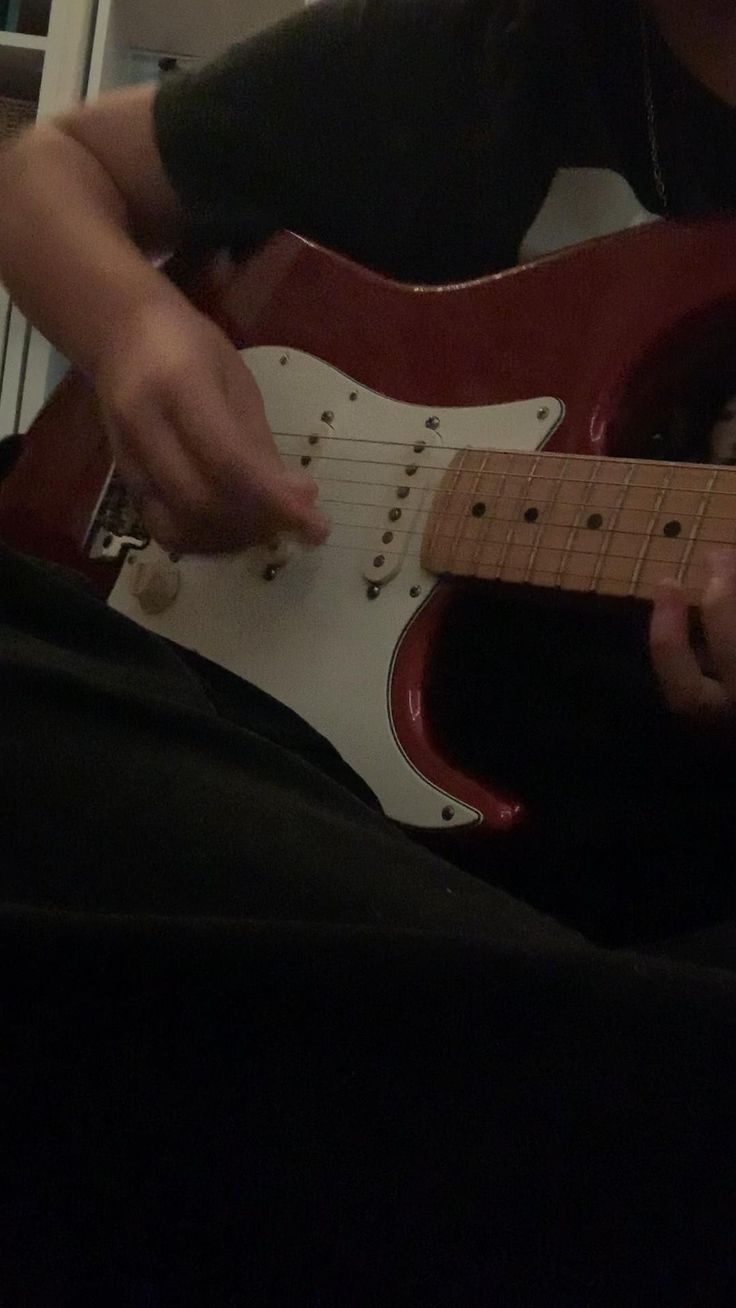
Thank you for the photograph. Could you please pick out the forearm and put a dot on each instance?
(68, 254)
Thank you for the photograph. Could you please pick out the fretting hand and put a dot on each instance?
(687, 689)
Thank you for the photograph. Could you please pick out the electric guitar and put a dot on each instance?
(497, 429)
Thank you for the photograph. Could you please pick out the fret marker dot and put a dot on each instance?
(672, 528)
(478, 509)
(595, 521)
(531, 515)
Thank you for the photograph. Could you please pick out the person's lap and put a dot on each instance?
(430, 1084)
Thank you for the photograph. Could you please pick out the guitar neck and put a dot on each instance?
(580, 523)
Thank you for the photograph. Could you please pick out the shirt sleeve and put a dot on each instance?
(353, 122)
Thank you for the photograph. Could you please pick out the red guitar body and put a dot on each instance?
(617, 330)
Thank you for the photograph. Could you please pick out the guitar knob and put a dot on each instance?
(155, 586)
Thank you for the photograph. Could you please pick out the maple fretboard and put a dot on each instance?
(610, 525)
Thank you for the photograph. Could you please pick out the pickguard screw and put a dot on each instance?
(402, 492)
(174, 556)
(543, 413)
(353, 395)
(415, 591)
(394, 515)
(327, 416)
(379, 561)
(270, 572)
(306, 459)
(283, 360)
(106, 542)
(432, 423)
(448, 813)
(373, 592)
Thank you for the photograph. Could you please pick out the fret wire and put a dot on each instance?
(381, 508)
(697, 524)
(574, 528)
(533, 550)
(476, 483)
(506, 546)
(711, 517)
(603, 552)
(457, 535)
(585, 553)
(357, 526)
(544, 455)
(438, 518)
(648, 536)
(553, 502)
(503, 478)
(547, 454)
(409, 531)
(482, 535)
(700, 569)
(498, 493)
(381, 525)
(558, 569)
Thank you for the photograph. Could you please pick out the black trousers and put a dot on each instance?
(259, 1047)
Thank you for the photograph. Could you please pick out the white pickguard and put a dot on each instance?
(311, 636)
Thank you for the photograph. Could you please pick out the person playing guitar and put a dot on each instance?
(595, 1163)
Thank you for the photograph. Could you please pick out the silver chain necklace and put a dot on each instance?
(646, 51)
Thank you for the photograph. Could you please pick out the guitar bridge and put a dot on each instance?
(116, 527)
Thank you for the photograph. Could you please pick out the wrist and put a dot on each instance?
(144, 310)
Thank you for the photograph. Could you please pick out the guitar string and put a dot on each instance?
(573, 552)
(408, 445)
(502, 500)
(556, 549)
(486, 455)
(697, 573)
(492, 516)
(512, 524)
(490, 472)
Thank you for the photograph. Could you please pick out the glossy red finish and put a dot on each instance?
(47, 501)
(413, 725)
(608, 326)
(613, 328)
